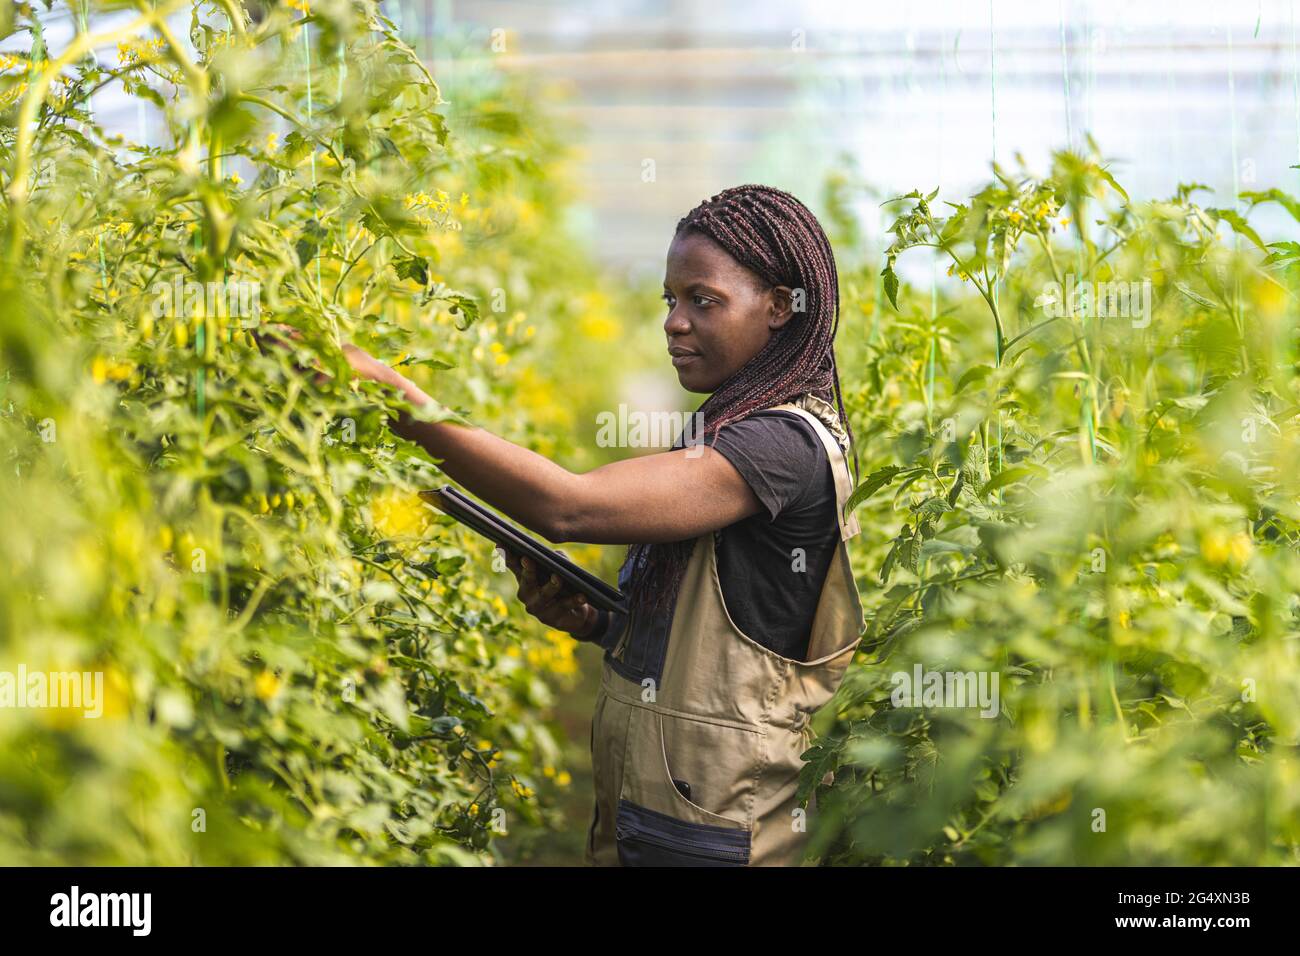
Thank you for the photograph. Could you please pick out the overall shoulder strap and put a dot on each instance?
(849, 526)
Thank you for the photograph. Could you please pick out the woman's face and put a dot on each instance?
(719, 314)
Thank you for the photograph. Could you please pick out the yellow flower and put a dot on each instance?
(520, 790)
(236, 179)
(1240, 547)
(104, 370)
(464, 200)
(271, 144)
(1215, 547)
(266, 685)
(397, 513)
(563, 778)
(303, 5)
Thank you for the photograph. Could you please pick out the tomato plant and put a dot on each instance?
(1092, 497)
(302, 661)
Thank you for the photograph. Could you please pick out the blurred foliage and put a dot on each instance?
(1100, 510)
(292, 641)
(1099, 507)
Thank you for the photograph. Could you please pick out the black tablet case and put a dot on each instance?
(495, 528)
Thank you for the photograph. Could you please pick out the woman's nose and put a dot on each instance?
(675, 323)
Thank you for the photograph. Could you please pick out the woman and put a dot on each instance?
(743, 609)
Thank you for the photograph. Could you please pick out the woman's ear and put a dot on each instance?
(781, 309)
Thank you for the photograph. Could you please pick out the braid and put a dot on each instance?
(776, 237)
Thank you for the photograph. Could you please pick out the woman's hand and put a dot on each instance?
(367, 366)
(549, 602)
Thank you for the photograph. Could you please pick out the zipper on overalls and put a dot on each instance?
(626, 636)
(695, 848)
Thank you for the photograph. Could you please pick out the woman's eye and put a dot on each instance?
(668, 299)
(702, 302)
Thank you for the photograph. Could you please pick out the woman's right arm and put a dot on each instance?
(669, 496)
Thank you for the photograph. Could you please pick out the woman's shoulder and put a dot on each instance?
(780, 456)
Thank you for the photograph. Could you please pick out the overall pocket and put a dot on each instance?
(688, 791)
(646, 838)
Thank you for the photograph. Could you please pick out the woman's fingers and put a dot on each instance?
(543, 598)
(367, 366)
(548, 601)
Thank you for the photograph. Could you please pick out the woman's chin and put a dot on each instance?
(693, 381)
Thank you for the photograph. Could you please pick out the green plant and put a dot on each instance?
(1098, 505)
(302, 661)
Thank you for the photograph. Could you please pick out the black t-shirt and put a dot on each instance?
(771, 565)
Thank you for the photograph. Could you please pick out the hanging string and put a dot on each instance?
(315, 206)
(1295, 85)
(934, 264)
(993, 87)
(1065, 77)
(1169, 94)
(1232, 115)
(82, 25)
(993, 135)
(1091, 86)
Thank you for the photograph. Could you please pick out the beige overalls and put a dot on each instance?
(698, 731)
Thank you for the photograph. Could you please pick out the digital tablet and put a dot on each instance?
(495, 528)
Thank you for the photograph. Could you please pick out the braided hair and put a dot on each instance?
(776, 237)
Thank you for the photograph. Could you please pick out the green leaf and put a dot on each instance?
(873, 483)
(1239, 225)
(1194, 296)
(976, 373)
(1287, 202)
(1106, 175)
(310, 240)
(415, 268)
(891, 283)
(822, 758)
(1009, 476)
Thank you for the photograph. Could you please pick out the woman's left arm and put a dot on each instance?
(669, 496)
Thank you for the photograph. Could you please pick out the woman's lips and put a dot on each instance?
(682, 356)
